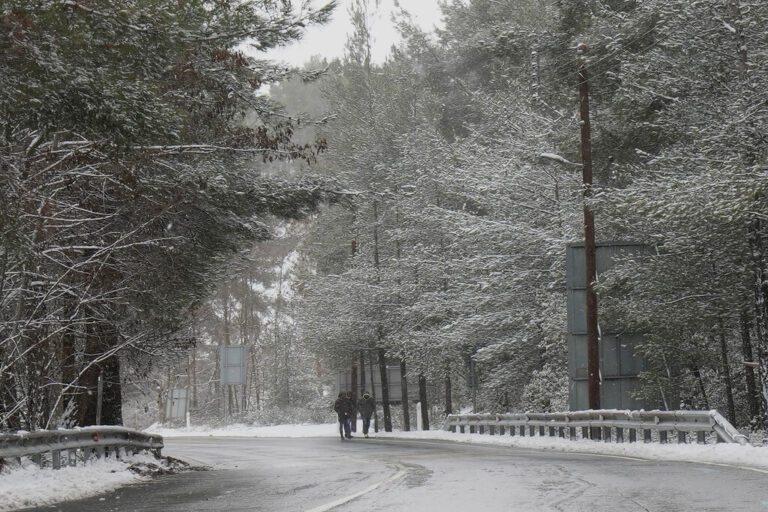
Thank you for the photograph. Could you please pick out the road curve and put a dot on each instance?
(385, 474)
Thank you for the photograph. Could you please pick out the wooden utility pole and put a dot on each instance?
(593, 351)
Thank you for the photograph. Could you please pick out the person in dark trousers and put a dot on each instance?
(366, 406)
(351, 414)
(343, 409)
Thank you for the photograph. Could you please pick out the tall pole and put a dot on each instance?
(99, 396)
(593, 352)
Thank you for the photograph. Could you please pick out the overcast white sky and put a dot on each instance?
(328, 40)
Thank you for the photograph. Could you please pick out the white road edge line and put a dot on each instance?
(330, 506)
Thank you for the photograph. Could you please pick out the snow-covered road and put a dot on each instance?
(394, 474)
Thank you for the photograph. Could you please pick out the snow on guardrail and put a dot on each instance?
(605, 424)
(77, 444)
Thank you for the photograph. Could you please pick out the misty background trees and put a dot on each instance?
(369, 214)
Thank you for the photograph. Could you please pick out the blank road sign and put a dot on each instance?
(176, 406)
(233, 365)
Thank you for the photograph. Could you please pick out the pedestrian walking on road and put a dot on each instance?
(367, 406)
(343, 408)
(351, 414)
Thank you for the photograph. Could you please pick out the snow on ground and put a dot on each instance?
(31, 486)
(729, 454)
(752, 457)
(242, 430)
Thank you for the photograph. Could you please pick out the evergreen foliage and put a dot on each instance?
(131, 178)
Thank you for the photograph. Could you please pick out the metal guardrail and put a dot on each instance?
(604, 424)
(66, 447)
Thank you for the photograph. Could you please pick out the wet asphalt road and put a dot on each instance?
(324, 474)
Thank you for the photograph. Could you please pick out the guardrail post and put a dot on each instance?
(595, 425)
(38, 459)
(56, 459)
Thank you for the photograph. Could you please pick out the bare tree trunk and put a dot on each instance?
(68, 371)
(353, 385)
(697, 373)
(194, 377)
(385, 391)
(727, 375)
(373, 392)
(362, 371)
(448, 397)
(404, 397)
(753, 397)
(423, 400)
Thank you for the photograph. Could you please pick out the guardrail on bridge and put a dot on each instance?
(605, 425)
(66, 447)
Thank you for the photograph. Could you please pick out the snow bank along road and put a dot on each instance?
(390, 474)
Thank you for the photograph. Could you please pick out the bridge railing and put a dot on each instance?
(67, 447)
(631, 426)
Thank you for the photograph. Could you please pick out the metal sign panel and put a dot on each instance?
(233, 359)
(619, 364)
(176, 405)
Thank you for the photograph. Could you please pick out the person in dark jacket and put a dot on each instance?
(343, 407)
(367, 406)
